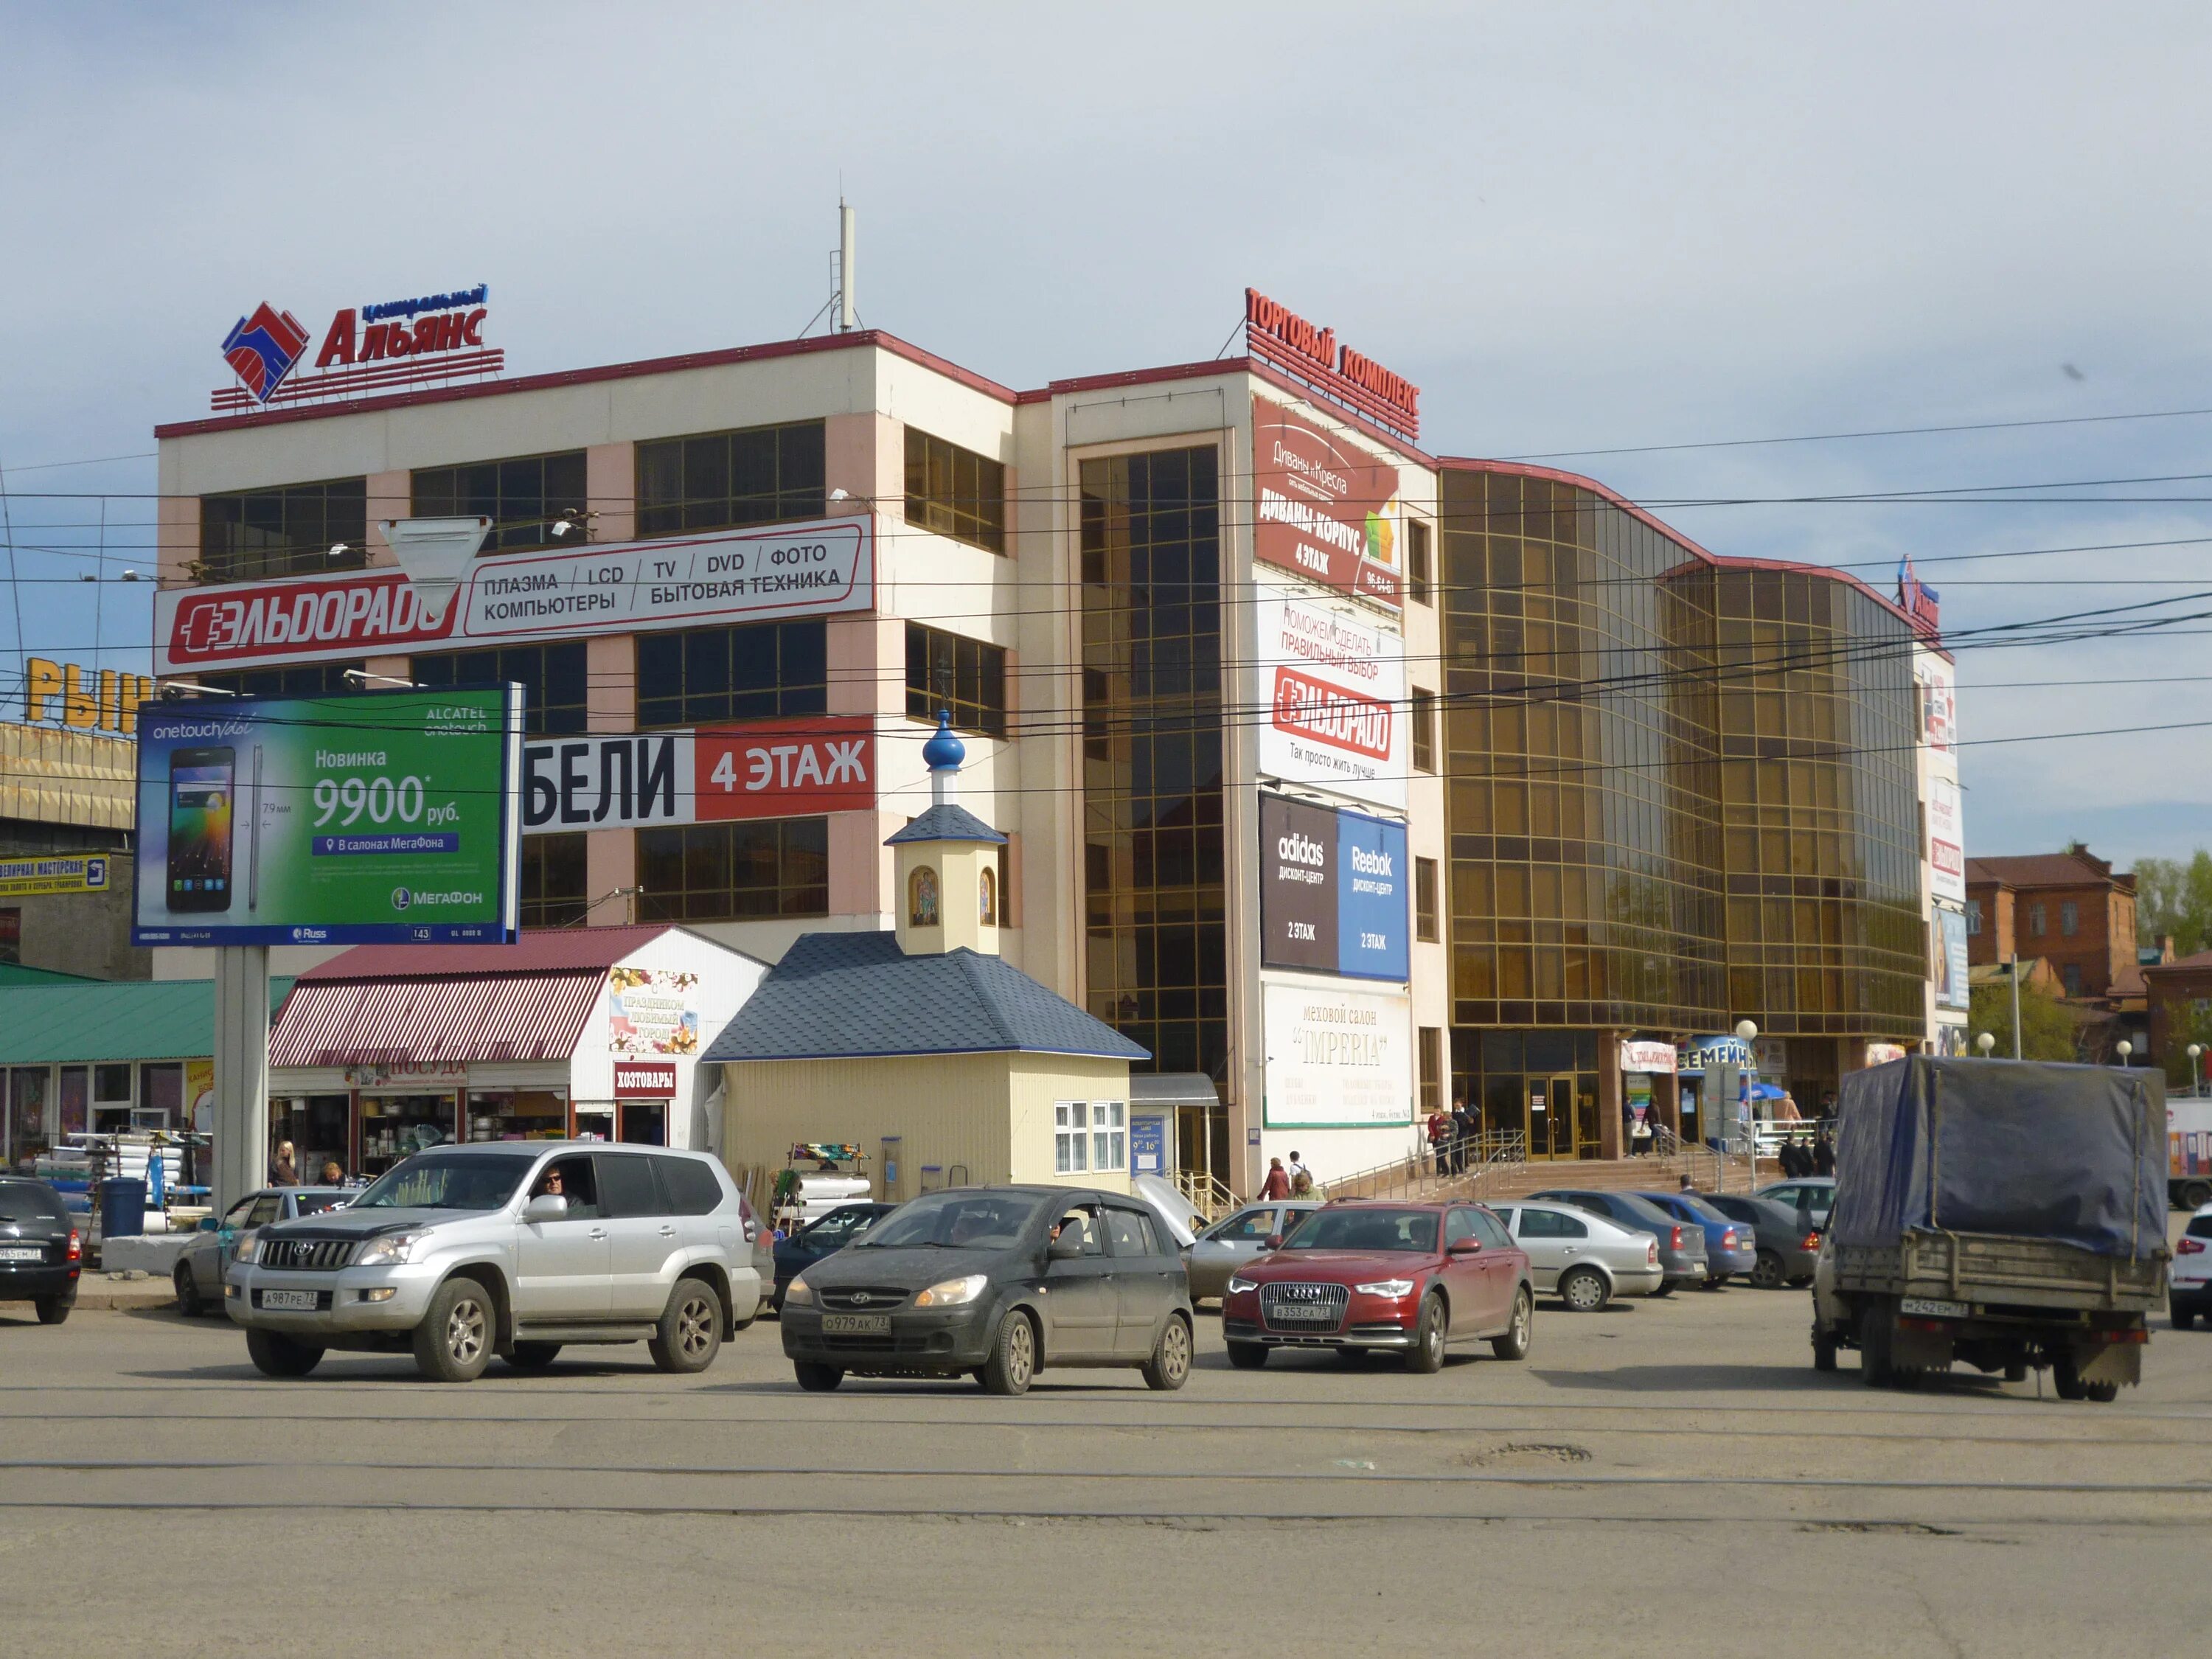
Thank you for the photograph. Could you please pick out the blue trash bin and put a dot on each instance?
(122, 1207)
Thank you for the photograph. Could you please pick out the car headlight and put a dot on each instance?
(799, 1293)
(1389, 1287)
(1238, 1284)
(389, 1248)
(953, 1292)
(248, 1248)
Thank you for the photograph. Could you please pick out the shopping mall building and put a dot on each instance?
(1342, 773)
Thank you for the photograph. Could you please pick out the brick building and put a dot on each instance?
(2071, 909)
(2180, 998)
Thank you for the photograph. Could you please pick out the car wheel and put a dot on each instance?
(1584, 1289)
(1513, 1344)
(2103, 1393)
(532, 1356)
(2183, 1317)
(690, 1332)
(55, 1308)
(1766, 1271)
(1169, 1368)
(188, 1291)
(1247, 1355)
(453, 1342)
(276, 1355)
(2196, 1195)
(1427, 1356)
(815, 1379)
(1873, 1345)
(1667, 1287)
(2066, 1379)
(1824, 1349)
(1012, 1363)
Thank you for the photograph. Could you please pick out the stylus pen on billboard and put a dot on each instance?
(253, 840)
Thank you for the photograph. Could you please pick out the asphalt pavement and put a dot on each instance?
(1664, 1477)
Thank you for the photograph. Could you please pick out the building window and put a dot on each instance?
(730, 871)
(284, 533)
(553, 877)
(1432, 1069)
(1973, 917)
(1422, 707)
(950, 670)
(521, 497)
(1420, 583)
(1110, 1135)
(921, 909)
(722, 480)
(2069, 919)
(2071, 974)
(955, 491)
(11, 933)
(552, 677)
(313, 679)
(757, 672)
(1089, 1135)
(986, 899)
(1426, 926)
(2035, 919)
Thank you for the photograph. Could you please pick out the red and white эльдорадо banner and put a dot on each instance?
(1333, 686)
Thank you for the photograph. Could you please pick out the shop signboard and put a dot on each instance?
(1333, 687)
(1332, 891)
(1646, 1058)
(625, 587)
(385, 816)
(1148, 1144)
(645, 1080)
(1946, 858)
(381, 347)
(1939, 711)
(1337, 1058)
(782, 768)
(1323, 507)
(83, 873)
(1951, 987)
(651, 1010)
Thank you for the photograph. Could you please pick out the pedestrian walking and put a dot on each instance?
(1824, 1155)
(1439, 1128)
(1297, 1167)
(1302, 1183)
(1278, 1183)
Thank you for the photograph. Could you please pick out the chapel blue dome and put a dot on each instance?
(944, 752)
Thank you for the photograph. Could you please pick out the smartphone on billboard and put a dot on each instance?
(201, 786)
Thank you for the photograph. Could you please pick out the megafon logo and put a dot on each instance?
(262, 347)
(401, 898)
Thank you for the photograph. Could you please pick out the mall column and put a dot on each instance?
(241, 1072)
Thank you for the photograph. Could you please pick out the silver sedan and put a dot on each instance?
(1236, 1239)
(1583, 1258)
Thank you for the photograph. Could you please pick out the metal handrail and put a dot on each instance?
(1207, 1192)
(1686, 1156)
(1416, 1176)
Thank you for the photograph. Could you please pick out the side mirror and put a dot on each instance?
(210, 1223)
(1066, 1248)
(1273, 1242)
(546, 1206)
(1465, 1247)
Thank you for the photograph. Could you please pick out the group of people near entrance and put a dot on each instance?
(1295, 1181)
(284, 1169)
(1452, 1139)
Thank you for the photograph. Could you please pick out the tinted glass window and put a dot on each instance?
(316, 1203)
(24, 1200)
(1083, 1225)
(1537, 1223)
(1458, 1224)
(1249, 1228)
(1487, 1229)
(265, 1210)
(965, 1219)
(1565, 1226)
(627, 1187)
(2200, 1226)
(692, 1188)
(453, 1181)
(1131, 1232)
(1412, 1230)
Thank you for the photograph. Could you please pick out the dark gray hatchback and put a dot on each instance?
(41, 1249)
(996, 1283)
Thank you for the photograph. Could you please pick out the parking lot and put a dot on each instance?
(1673, 1467)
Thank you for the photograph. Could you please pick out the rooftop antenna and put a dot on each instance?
(848, 315)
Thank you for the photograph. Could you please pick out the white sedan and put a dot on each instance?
(1583, 1258)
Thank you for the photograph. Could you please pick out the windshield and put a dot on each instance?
(959, 1221)
(316, 1203)
(432, 1180)
(1698, 1206)
(1363, 1228)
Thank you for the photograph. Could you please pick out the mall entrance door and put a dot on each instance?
(1551, 1104)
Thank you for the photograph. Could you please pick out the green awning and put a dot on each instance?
(112, 1020)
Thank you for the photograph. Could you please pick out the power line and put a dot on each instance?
(1882, 432)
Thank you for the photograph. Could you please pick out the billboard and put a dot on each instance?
(1939, 706)
(1950, 965)
(1334, 689)
(1323, 507)
(1337, 1058)
(1332, 888)
(773, 769)
(65, 872)
(1947, 856)
(624, 587)
(381, 816)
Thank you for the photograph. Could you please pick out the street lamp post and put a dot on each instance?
(1986, 1041)
(2195, 1052)
(1747, 1033)
(2013, 975)
(2123, 1048)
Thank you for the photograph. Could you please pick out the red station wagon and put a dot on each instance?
(1368, 1275)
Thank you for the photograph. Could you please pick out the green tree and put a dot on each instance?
(2046, 1028)
(2186, 1023)
(2173, 896)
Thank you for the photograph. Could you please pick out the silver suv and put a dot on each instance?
(466, 1251)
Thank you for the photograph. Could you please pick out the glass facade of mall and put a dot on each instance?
(1679, 793)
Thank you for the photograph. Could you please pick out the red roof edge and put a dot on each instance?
(556, 949)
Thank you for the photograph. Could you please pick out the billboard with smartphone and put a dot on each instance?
(380, 817)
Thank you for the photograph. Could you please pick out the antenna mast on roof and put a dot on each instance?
(848, 315)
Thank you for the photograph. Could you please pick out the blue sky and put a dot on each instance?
(1576, 230)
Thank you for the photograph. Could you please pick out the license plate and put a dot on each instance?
(1927, 1308)
(301, 1301)
(1319, 1312)
(856, 1324)
(22, 1252)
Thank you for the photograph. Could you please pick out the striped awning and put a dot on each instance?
(413, 1021)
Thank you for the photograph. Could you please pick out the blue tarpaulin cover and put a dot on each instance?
(2072, 1153)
